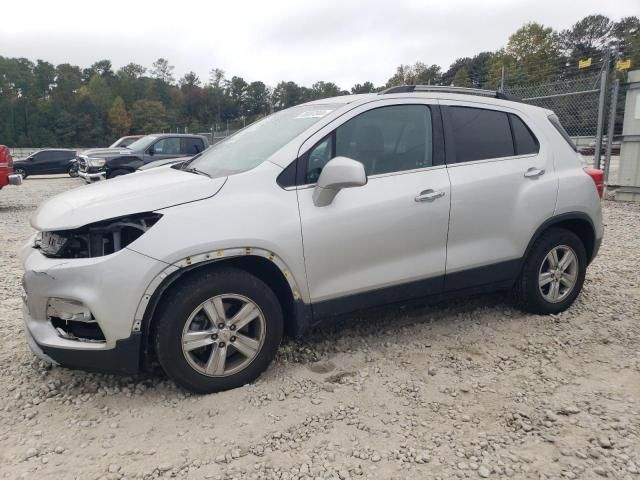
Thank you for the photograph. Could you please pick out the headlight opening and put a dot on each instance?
(96, 239)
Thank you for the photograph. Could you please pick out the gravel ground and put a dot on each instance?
(466, 389)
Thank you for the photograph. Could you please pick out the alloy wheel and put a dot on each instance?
(223, 335)
(558, 273)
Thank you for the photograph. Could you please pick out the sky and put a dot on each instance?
(343, 41)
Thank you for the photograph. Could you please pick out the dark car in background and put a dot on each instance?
(47, 162)
(125, 141)
(101, 164)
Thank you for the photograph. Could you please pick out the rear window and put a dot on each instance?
(555, 121)
(480, 134)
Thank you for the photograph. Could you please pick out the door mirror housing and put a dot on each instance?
(151, 151)
(338, 173)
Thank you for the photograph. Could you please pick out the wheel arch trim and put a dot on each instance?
(557, 219)
(172, 272)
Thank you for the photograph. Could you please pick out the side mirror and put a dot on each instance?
(151, 151)
(339, 173)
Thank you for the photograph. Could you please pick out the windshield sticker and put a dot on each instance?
(314, 114)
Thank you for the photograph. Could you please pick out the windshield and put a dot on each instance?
(123, 142)
(143, 143)
(253, 145)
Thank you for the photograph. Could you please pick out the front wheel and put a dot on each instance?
(73, 171)
(20, 171)
(218, 330)
(553, 273)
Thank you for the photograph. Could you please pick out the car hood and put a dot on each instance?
(105, 152)
(135, 193)
(164, 161)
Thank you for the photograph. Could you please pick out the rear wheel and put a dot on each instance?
(218, 330)
(118, 172)
(73, 171)
(553, 273)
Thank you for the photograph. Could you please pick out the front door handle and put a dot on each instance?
(534, 172)
(428, 196)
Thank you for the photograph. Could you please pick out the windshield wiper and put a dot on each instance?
(196, 171)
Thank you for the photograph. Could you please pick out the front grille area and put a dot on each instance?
(82, 164)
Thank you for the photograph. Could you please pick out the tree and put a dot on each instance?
(536, 50)
(366, 87)
(324, 90)
(100, 93)
(189, 80)
(216, 81)
(418, 74)
(257, 99)
(162, 71)
(148, 116)
(45, 77)
(119, 119)
(587, 37)
(461, 78)
(101, 68)
(132, 70)
(626, 40)
(287, 94)
(68, 81)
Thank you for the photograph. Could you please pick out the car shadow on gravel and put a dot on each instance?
(369, 324)
(322, 342)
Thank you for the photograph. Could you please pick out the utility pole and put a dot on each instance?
(603, 91)
(502, 80)
(612, 123)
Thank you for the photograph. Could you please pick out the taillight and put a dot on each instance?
(598, 178)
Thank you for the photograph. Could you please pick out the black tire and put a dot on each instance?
(118, 172)
(73, 171)
(20, 171)
(526, 290)
(178, 304)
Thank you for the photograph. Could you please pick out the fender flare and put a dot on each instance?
(550, 222)
(163, 280)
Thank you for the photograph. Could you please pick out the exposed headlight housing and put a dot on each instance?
(96, 239)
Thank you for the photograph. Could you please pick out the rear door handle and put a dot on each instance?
(534, 172)
(428, 196)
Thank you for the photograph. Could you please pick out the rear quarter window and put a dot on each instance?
(524, 141)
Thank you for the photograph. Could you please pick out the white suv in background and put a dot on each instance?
(322, 209)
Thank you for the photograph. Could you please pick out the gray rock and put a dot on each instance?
(484, 471)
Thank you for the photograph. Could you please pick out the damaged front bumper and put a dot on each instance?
(105, 291)
(92, 177)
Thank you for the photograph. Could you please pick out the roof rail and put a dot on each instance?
(447, 89)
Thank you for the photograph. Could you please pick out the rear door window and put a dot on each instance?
(192, 146)
(480, 134)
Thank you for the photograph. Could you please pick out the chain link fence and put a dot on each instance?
(574, 101)
(590, 106)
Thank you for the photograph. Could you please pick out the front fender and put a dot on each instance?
(129, 162)
(167, 276)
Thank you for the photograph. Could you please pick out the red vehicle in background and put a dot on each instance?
(7, 177)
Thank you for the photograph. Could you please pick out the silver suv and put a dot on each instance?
(322, 209)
